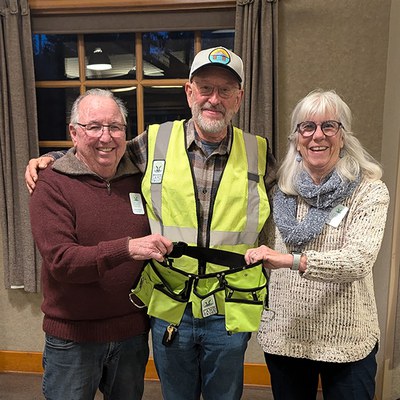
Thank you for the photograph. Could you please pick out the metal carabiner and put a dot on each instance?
(136, 305)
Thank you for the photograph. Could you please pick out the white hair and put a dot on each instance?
(354, 158)
(97, 92)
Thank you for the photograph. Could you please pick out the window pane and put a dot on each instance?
(54, 107)
(128, 96)
(222, 37)
(167, 54)
(55, 57)
(120, 50)
(165, 104)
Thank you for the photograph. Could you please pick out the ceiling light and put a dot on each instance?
(99, 61)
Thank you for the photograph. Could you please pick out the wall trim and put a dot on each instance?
(31, 362)
(113, 6)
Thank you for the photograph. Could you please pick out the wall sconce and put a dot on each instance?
(99, 61)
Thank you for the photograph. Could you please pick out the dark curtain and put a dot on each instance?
(255, 42)
(18, 143)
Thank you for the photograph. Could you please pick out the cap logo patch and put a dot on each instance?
(219, 56)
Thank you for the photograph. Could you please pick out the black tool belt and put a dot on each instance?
(237, 291)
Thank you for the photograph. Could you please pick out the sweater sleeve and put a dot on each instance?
(349, 254)
(54, 230)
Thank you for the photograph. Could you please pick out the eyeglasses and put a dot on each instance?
(308, 128)
(96, 130)
(225, 92)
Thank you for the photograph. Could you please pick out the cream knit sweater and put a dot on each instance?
(329, 312)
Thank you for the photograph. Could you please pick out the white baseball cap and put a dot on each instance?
(218, 57)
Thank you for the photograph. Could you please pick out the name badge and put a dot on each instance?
(136, 203)
(157, 171)
(209, 306)
(336, 215)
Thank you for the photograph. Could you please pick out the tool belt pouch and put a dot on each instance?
(143, 288)
(244, 306)
(204, 289)
(164, 303)
(160, 297)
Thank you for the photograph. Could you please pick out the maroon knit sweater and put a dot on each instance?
(81, 224)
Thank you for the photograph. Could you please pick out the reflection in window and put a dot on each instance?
(54, 106)
(120, 50)
(221, 37)
(55, 57)
(167, 54)
(154, 95)
(128, 96)
(163, 104)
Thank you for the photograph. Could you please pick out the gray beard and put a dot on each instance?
(211, 127)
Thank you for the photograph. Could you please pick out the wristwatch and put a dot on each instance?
(296, 261)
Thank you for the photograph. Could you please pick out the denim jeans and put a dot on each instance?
(297, 378)
(75, 371)
(203, 358)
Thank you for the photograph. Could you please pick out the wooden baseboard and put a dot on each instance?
(31, 362)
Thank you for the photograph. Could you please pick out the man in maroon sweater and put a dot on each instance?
(89, 224)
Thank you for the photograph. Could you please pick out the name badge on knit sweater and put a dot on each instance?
(336, 215)
(136, 203)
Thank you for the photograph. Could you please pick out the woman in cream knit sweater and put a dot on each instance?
(329, 214)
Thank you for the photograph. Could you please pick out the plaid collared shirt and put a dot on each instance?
(207, 169)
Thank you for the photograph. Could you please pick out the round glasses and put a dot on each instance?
(96, 130)
(225, 92)
(308, 128)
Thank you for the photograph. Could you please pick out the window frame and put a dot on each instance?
(82, 17)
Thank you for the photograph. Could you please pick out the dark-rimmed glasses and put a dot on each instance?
(225, 92)
(96, 130)
(308, 128)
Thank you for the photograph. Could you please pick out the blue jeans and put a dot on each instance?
(75, 371)
(297, 378)
(203, 358)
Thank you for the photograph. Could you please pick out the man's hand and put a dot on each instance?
(31, 172)
(151, 246)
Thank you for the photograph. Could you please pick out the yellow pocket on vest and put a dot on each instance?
(166, 307)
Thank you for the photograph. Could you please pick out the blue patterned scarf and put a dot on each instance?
(321, 198)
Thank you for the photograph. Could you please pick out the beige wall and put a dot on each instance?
(20, 317)
(390, 254)
(332, 44)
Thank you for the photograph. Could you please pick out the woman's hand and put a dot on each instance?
(272, 259)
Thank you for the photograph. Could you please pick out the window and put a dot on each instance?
(147, 70)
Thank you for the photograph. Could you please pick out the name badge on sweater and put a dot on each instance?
(336, 215)
(136, 203)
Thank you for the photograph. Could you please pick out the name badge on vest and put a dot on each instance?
(209, 306)
(136, 203)
(336, 215)
(157, 171)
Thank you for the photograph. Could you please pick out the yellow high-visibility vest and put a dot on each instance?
(238, 213)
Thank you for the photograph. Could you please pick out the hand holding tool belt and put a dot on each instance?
(223, 284)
